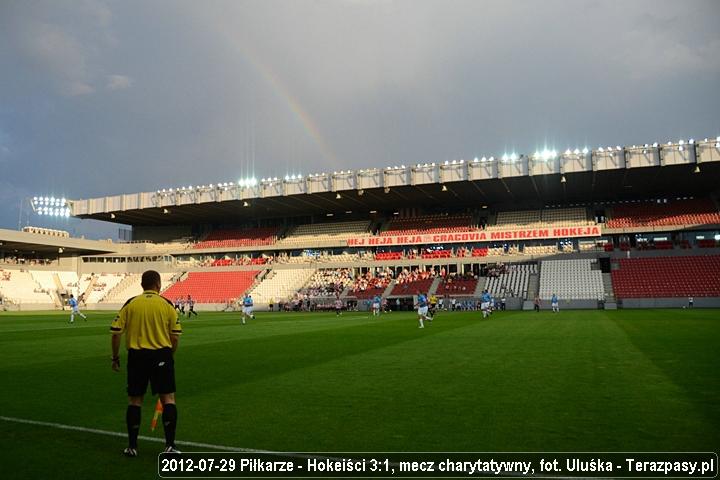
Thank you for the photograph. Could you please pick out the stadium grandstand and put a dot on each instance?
(608, 228)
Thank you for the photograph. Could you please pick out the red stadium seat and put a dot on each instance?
(679, 212)
(246, 237)
(212, 287)
(667, 277)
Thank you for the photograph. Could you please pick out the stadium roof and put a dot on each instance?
(24, 243)
(604, 175)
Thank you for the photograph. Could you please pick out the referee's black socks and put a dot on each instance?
(132, 418)
(169, 417)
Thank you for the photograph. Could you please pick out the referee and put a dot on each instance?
(152, 330)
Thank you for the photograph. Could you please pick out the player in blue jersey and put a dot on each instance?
(554, 303)
(376, 305)
(485, 302)
(74, 309)
(422, 309)
(247, 308)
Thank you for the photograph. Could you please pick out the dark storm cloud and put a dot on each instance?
(101, 98)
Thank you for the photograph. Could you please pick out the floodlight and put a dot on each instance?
(504, 157)
(691, 141)
(444, 188)
(585, 151)
(338, 196)
(601, 149)
(246, 204)
(655, 144)
(681, 142)
(577, 151)
(475, 160)
(568, 152)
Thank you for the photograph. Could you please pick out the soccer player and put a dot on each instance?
(75, 310)
(422, 309)
(191, 306)
(338, 306)
(182, 307)
(376, 305)
(691, 301)
(247, 309)
(554, 303)
(152, 330)
(433, 305)
(536, 303)
(485, 300)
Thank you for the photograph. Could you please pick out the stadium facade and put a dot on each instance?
(634, 226)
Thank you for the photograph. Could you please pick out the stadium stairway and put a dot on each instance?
(480, 288)
(388, 290)
(607, 285)
(434, 286)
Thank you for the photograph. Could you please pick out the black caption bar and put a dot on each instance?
(439, 465)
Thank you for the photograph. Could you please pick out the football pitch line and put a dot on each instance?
(97, 431)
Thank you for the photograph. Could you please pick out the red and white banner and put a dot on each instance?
(478, 236)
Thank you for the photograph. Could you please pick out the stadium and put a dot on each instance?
(359, 239)
(634, 264)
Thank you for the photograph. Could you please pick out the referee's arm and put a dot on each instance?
(174, 327)
(174, 339)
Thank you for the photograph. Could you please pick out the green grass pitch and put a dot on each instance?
(635, 380)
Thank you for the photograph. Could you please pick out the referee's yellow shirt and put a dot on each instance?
(147, 320)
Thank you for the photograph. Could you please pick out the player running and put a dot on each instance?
(247, 309)
(338, 306)
(191, 306)
(422, 309)
(555, 304)
(376, 305)
(485, 300)
(75, 310)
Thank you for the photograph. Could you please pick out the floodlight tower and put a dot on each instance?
(51, 206)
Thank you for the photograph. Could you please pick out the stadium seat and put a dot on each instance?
(571, 280)
(212, 287)
(676, 212)
(666, 277)
(239, 237)
(425, 224)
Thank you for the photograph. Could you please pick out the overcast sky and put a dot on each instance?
(100, 98)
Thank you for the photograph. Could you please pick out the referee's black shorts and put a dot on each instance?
(154, 366)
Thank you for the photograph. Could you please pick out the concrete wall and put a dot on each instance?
(700, 302)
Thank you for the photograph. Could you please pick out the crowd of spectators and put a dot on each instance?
(329, 282)
(18, 260)
(370, 280)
